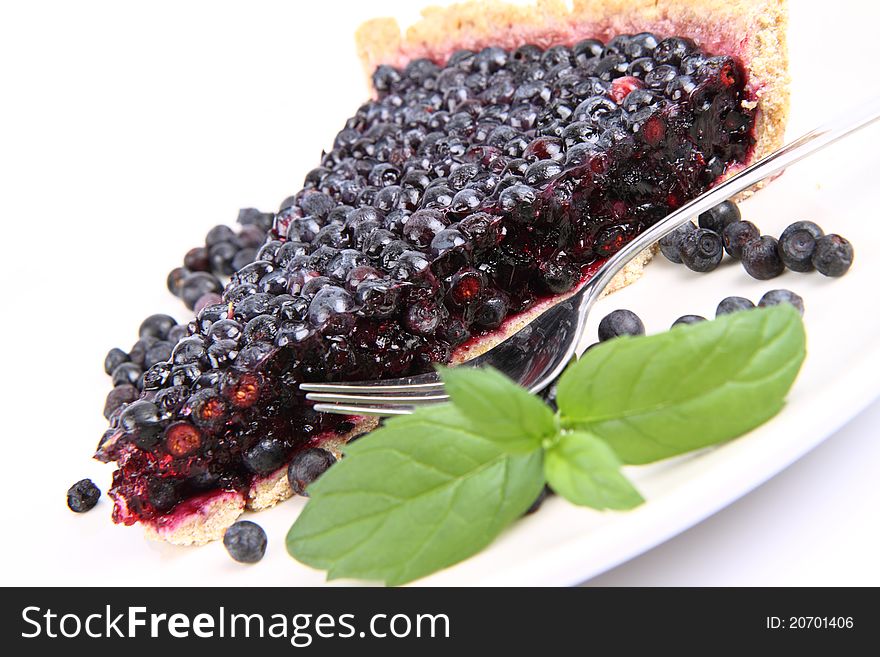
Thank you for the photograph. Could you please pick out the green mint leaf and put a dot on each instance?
(586, 471)
(653, 397)
(499, 409)
(419, 494)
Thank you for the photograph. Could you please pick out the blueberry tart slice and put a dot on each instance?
(507, 151)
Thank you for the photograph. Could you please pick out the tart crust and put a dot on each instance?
(752, 30)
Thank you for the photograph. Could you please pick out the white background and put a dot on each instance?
(128, 129)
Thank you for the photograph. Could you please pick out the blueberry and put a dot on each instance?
(196, 285)
(329, 302)
(760, 258)
(796, 248)
(492, 311)
(175, 279)
(157, 326)
(306, 466)
(162, 494)
(83, 496)
(177, 333)
(245, 541)
(776, 297)
(265, 456)
(197, 259)
(138, 352)
(141, 421)
(720, 217)
(671, 243)
(225, 329)
(812, 228)
(219, 234)
(546, 491)
(833, 255)
(688, 319)
(733, 304)
(221, 256)
(157, 353)
(189, 350)
(126, 373)
(701, 250)
(118, 396)
(114, 358)
(620, 322)
(736, 235)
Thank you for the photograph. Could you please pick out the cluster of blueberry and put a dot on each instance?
(626, 322)
(802, 247)
(197, 282)
(157, 337)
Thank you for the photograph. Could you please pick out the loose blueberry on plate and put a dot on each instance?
(670, 244)
(736, 235)
(684, 320)
(812, 228)
(796, 249)
(833, 255)
(245, 541)
(83, 496)
(701, 250)
(732, 305)
(776, 297)
(720, 217)
(620, 322)
(760, 258)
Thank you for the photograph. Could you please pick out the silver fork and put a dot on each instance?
(536, 354)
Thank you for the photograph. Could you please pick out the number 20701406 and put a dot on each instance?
(809, 623)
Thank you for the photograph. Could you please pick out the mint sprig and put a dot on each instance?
(419, 494)
(430, 489)
(586, 472)
(654, 397)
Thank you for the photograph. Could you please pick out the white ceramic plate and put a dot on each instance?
(561, 544)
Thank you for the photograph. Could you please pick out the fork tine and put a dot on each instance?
(361, 410)
(406, 400)
(371, 388)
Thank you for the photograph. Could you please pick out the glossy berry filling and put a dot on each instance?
(462, 195)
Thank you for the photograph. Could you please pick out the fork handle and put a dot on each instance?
(815, 140)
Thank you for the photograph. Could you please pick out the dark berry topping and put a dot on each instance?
(733, 304)
(242, 389)
(83, 496)
(776, 297)
(265, 455)
(182, 439)
(620, 322)
(458, 196)
(760, 258)
(306, 466)
(119, 396)
(833, 255)
(245, 541)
